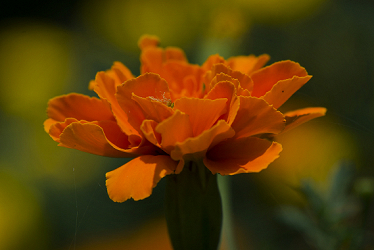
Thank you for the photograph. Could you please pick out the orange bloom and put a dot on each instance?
(222, 114)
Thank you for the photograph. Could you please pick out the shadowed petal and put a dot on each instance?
(203, 113)
(80, 107)
(137, 178)
(298, 117)
(284, 89)
(255, 116)
(242, 155)
(196, 147)
(265, 78)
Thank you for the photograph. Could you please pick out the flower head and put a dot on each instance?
(222, 114)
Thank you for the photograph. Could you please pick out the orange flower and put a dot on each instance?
(222, 114)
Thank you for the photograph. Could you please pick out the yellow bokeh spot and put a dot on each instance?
(35, 64)
(123, 22)
(21, 224)
(310, 151)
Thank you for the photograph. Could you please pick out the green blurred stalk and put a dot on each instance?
(193, 208)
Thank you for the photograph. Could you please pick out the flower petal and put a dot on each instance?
(248, 64)
(55, 128)
(244, 155)
(203, 113)
(80, 107)
(298, 117)
(183, 79)
(106, 88)
(148, 41)
(149, 130)
(265, 78)
(284, 89)
(153, 110)
(100, 138)
(152, 57)
(176, 128)
(196, 147)
(147, 85)
(245, 81)
(255, 116)
(213, 59)
(137, 178)
(226, 89)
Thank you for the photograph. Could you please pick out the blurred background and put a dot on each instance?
(317, 195)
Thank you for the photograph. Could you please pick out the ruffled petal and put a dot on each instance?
(152, 57)
(80, 107)
(153, 109)
(255, 116)
(120, 73)
(137, 178)
(183, 79)
(149, 130)
(147, 41)
(213, 59)
(176, 128)
(106, 88)
(242, 155)
(244, 80)
(265, 78)
(298, 117)
(248, 64)
(203, 113)
(148, 85)
(193, 149)
(224, 77)
(284, 89)
(226, 89)
(100, 138)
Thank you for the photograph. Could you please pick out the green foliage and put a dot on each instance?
(334, 219)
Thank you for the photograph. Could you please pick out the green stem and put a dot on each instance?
(193, 208)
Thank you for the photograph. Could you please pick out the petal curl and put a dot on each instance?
(153, 110)
(193, 149)
(203, 113)
(147, 85)
(242, 155)
(100, 138)
(106, 88)
(80, 107)
(298, 117)
(152, 58)
(265, 78)
(284, 89)
(137, 178)
(245, 81)
(226, 89)
(149, 130)
(255, 116)
(213, 59)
